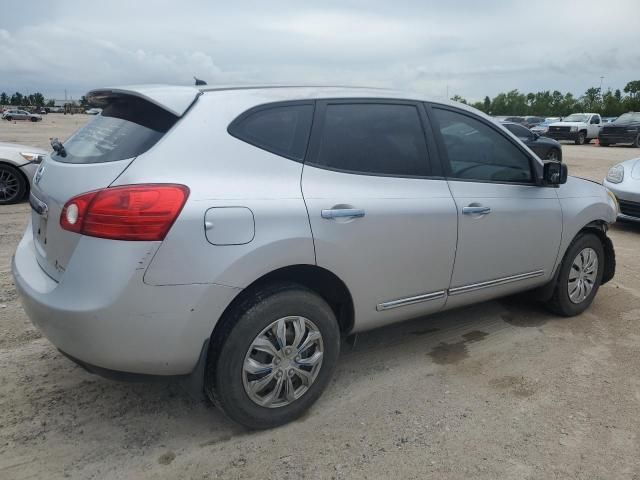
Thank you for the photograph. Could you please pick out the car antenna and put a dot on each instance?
(199, 82)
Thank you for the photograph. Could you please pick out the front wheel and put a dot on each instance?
(581, 138)
(9, 118)
(277, 358)
(580, 276)
(13, 185)
(34, 119)
(636, 142)
(604, 144)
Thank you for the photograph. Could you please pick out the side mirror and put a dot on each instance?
(536, 135)
(554, 173)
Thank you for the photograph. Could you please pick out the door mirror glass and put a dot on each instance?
(555, 173)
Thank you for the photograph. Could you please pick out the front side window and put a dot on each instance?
(283, 130)
(374, 139)
(476, 151)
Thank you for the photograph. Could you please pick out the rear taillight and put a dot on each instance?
(129, 212)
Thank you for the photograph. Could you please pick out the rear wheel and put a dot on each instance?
(278, 354)
(580, 276)
(604, 144)
(636, 142)
(13, 185)
(587, 140)
(581, 138)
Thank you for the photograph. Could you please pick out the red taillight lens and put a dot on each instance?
(129, 212)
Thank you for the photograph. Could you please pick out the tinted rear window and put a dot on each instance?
(126, 128)
(375, 139)
(283, 129)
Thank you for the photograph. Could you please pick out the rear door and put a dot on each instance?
(92, 159)
(510, 227)
(382, 216)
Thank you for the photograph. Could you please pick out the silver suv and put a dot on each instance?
(235, 234)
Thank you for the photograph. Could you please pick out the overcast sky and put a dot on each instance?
(476, 48)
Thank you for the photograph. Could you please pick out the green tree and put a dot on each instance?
(591, 99)
(17, 99)
(458, 98)
(4, 98)
(50, 103)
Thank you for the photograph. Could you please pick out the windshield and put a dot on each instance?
(125, 129)
(576, 117)
(628, 117)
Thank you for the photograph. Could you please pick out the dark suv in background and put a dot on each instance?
(546, 148)
(624, 129)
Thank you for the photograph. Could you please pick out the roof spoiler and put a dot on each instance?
(174, 99)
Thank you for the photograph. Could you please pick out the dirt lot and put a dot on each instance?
(500, 390)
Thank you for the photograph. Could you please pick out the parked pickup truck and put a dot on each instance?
(579, 127)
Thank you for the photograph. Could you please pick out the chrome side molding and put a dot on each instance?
(493, 283)
(403, 302)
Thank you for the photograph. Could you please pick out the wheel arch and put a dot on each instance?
(317, 279)
(598, 228)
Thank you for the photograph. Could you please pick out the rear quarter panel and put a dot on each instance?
(223, 171)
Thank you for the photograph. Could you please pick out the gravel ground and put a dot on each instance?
(500, 390)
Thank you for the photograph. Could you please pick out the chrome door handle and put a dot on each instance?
(342, 212)
(473, 210)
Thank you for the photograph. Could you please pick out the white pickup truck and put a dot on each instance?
(579, 127)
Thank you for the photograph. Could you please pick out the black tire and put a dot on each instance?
(560, 302)
(224, 372)
(587, 140)
(636, 142)
(13, 185)
(9, 118)
(582, 136)
(604, 144)
(34, 119)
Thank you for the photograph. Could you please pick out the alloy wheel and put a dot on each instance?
(9, 186)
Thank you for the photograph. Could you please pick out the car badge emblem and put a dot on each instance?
(39, 174)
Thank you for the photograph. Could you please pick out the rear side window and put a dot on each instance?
(127, 127)
(375, 139)
(283, 129)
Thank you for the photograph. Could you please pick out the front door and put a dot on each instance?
(380, 220)
(509, 227)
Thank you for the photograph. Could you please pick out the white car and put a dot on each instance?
(15, 114)
(581, 128)
(93, 111)
(18, 164)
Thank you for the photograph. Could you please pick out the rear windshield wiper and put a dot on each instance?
(58, 147)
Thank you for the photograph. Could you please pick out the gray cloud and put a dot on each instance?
(473, 48)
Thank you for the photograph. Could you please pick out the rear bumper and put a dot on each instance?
(109, 318)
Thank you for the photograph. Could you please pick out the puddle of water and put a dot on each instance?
(450, 353)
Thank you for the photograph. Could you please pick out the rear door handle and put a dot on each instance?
(342, 212)
(475, 210)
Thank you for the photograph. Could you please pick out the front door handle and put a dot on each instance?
(343, 213)
(475, 210)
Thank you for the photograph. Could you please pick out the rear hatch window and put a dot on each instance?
(127, 127)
